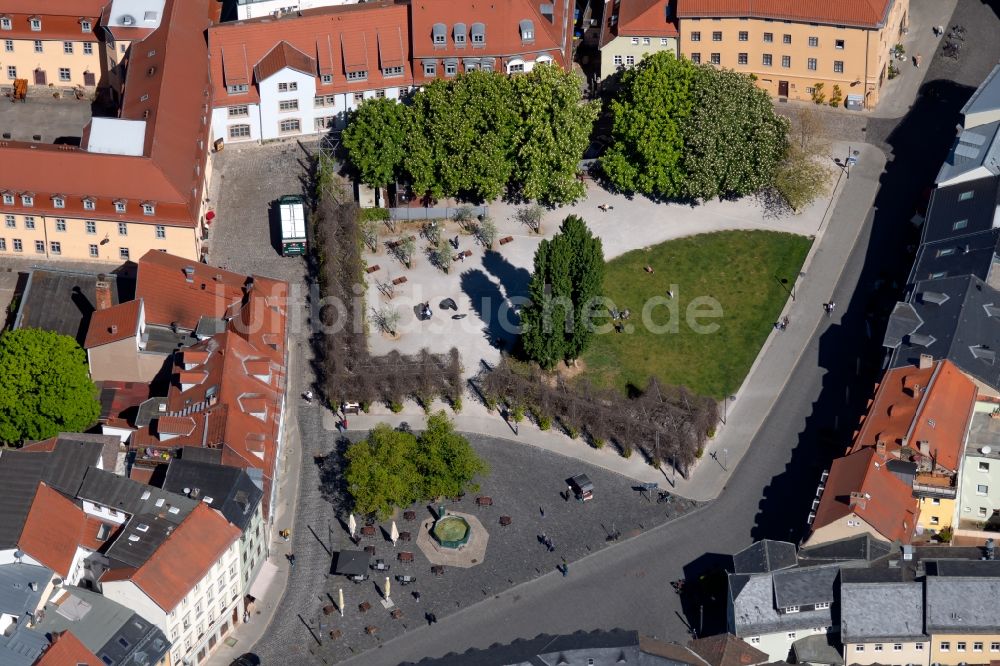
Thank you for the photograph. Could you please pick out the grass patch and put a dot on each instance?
(740, 269)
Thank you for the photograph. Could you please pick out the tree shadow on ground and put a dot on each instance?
(492, 307)
(514, 279)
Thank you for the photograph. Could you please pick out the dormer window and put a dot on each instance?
(89, 204)
(35, 23)
(458, 34)
(478, 34)
(85, 26)
(430, 67)
(148, 209)
(58, 202)
(527, 31)
(28, 199)
(8, 199)
(439, 33)
(120, 206)
(5, 23)
(791, 609)
(327, 78)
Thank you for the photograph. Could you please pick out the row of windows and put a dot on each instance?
(325, 79)
(647, 41)
(121, 206)
(36, 24)
(10, 221)
(88, 47)
(960, 646)
(451, 66)
(768, 38)
(767, 60)
(55, 248)
(65, 75)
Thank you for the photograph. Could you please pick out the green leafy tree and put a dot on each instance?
(553, 134)
(564, 288)
(446, 460)
(375, 138)
(801, 179)
(733, 139)
(45, 387)
(649, 115)
(381, 471)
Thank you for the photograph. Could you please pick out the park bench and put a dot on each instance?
(405, 536)
(335, 634)
(437, 570)
(405, 556)
(328, 609)
(396, 614)
(409, 515)
(398, 281)
(372, 269)
(505, 521)
(506, 239)
(364, 607)
(482, 500)
(371, 630)
(368, 531)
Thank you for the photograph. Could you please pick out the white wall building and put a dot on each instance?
(247, 9)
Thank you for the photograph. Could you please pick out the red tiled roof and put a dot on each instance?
(888, 504)
(119, 400)
(727, 650)
(914, 405)
(42, 445)
(60, 19)
(185, 557)
(332, 38)
(175, 425)
(67, 650)
(91, 527)
(53, 530)
(636, 18)
(281, 56)
(169, 297)
(170, 171)
(855, 13)
(116, 323)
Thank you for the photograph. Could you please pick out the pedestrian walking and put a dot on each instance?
(563, 570)
(541, 511)
(416, 595)
(291, 559)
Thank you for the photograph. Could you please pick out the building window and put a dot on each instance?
(11, 72)
(859, 648)
(29, 223)
(8, 45)
(786, 61)
(85, 26)
(88, 48)
(791, 635)
(965, 196)
(36, 24)
(995, 646)
(91, 227)
(58, 202)
(64, 74)
(743, 58)
(93, 250)
(68, 48)
(357, 76)
(3, 244)
(618, 61)
(122, 229)
(984, 467)
(716, 59)
(5, 24)
(291, 86)
(161, 231)
(814, 41)
(960, 646)
(288, 105)
(695, 36)
(60, 224)
(326, 79)
(148, 209)
(55, 247)
(430, 68)
(450, 68)
(635, 41)
(981, 489)
(645, 41)
(791, 609)
(768, 37)
(123, 253)
(290, 125)
(324, 123)
(663, 41)
(39, 247)
(838, 44)
(239, 111)
(960, 224)
(767, 60)
(977, 646)
(918, 646)
(811, 64)
(755, 640)
(237, 89)
(11, 222)
(122, 48)
(786, 39)
(935, 501)
(696, 58)
(359, 97)
(17, 245)
(8, 199)
(945, 646)
(744, 36)
(27, 200)
(380, 94)
(39, 46)
(319, 100)
(878, 647)
(935, 520)
(717, 36)
(822, 605)
(629, 61)
(838, 66)
(239, 131)
(392, 72)
(982, 512)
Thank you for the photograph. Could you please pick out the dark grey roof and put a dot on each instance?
(962, 605)
(61, 301)
(23, 646)
(904, 470)
(230, 489)
(68, 462)
(965, 329)
(764, 556)
(606, 648)
(861, 547)
(953, 216)
(209, 326)
(968, 568)
(202, 454)
(154, 513)
(21, 587)
(870, 611)
(351, 563)
(754, 612)
(817, 649)
(805, 586)
(20, 472)
(971, 254)
(985, 101)
(105, 627)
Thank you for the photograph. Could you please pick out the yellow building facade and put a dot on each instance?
(789, 58)
(936, 514)
(953, 649)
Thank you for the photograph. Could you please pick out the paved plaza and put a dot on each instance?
(524, 483)
(51, 120)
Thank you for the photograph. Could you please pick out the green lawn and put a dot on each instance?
(740, 269)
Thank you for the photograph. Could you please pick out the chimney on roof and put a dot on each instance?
(195, 493)
(102, 293)
(924, 447)
(189, 273)
(858, 500)
(113, 329)
(926, 361)
(880, 448)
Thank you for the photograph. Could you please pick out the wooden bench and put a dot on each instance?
(409, 515)
(370, 550)
(482, 500)
(398, 281)
(368, 531)
(335, 634)
(328, 609)
(437, 570)
(371, 630)
(372, 269)
(405, 556)
(506, 239)
(396, 614)
(364, 607)
(505, 521)
(405, 536)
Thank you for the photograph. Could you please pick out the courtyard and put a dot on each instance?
(45, 118)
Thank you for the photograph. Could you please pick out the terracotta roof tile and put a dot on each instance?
(60, 19)
(175, 425)
(162, 284)
(67, 650)
(281, 56)
(93, 528)
(727, 650)
(185, 557)
(116, 323)
(855, 13)
(53, 530)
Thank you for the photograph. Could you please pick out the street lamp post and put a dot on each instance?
(725, 459)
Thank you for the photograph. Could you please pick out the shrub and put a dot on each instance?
(818, 96)
(598, 442)
(517, 414)
(836, 96)
(544, 422)
(395, 407)
(456, 405)
(627, 451)
(699, 452)
(375, 214)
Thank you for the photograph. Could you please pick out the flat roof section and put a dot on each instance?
(61, 301)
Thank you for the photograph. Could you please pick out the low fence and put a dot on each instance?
(433, 213)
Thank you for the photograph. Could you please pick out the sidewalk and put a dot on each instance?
(835, 238)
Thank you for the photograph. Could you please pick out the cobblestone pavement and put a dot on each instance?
(525, 484)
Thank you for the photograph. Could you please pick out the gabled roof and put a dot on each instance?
(282, 56)
(870, 611)
(20, 473)
(984, 105)
(231, 490)
(766, 555)
(885, 502)
(637, 18)
(853, 13)
(118, 322)
(53, 530)
(754, 611)
(185, 557)
(66, 650)
(862, 547)
(962, 605)
(804, 586)
(727, 650)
